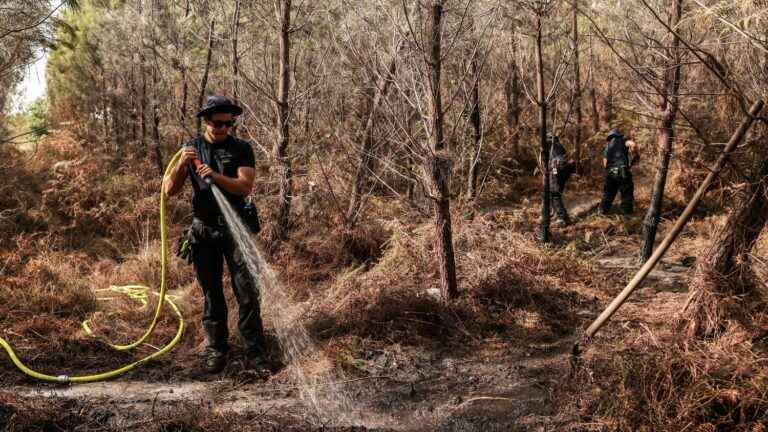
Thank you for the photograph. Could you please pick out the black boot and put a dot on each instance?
(215, 360)
(560, 211)
(256, 362)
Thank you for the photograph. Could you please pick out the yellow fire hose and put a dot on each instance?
(135, 292)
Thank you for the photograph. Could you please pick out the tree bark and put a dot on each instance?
(118, 122)
(723, 272)
(204, 81)
(546, 196)
(283, 129)
(595, 112)
(158, 150)
(235, 60)
(143, 92)
(143, 107)
(184, 82)
(366, 164)
(158, 147)
(593, 91)
(512, 93)
(105, 113)
(142, 104)
(437, 165)
(475, 119)
(608, 105)
(666, 139)
(132, 103)
(576, 88)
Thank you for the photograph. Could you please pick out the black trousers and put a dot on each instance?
(212, 245)
(557, 187)
(615, 183)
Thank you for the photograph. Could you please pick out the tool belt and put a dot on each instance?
(213, 230)
(620, 172)
(209, 231)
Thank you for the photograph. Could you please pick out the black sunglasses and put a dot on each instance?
(219, 123)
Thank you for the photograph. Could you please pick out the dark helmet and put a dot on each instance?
(219, 104)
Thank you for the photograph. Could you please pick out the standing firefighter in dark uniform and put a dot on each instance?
(618, 159)
(228, 163)
(560, 170)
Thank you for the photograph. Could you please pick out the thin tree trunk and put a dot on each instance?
(204, 81)
(156, 126)
(235, 59)
(608, 105)
(157, 148)
(413, 118)
(118, 123)
(576, 88)
(723, 271)
(283, 111)
(365, 166)
(143, 93)
(476, 119)
(184, 82)
(512, 93)
(437, 165)
(143, 106)
(104, 102)
(132, 104)
(308, 103)
(592, 91)
(545, 205)
(184, 96)
(595, 112)
(666, 140)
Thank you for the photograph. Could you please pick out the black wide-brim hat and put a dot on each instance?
(219, 104)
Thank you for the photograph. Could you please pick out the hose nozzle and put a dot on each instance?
(206, 179)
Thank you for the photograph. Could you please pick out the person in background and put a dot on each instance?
(561, 169)
(618, 159)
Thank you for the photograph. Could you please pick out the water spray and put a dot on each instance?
(297, 346)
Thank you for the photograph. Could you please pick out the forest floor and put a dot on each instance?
(493, 381)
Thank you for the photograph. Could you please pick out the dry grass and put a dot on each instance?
(509, 287)
(77, 225)
(647, 386)
(646, 376)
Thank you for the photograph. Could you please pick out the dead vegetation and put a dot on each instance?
(648, 385)
(383, 293)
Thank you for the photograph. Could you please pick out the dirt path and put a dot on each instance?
(506, 387)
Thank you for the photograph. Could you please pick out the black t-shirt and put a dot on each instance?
(616, 153)
(224, 158)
